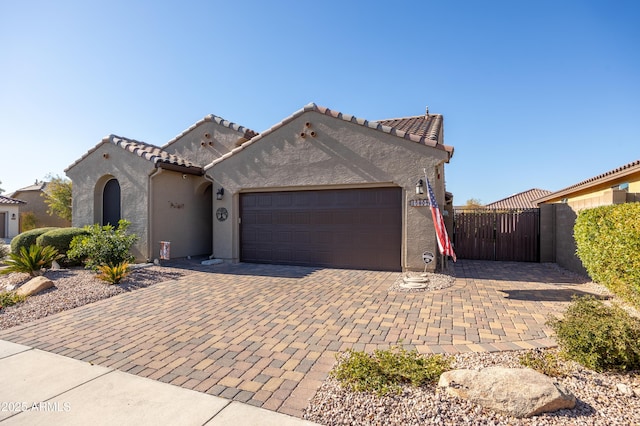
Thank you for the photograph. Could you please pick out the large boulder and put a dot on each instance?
(34, 285)
(518, 392)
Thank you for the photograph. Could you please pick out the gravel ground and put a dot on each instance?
(76, 287)
(602, 399)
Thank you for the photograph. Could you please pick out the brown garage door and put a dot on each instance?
(346, 228)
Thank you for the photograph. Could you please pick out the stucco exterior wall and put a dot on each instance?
(557, 243)
(37, 206)
(132, 173)
(10, 217)
(341, 155)
(204, 142)
(181, 214)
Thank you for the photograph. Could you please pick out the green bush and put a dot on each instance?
(8, 298)
(103, 245)
(385, 371)
(113, 274)
(598, 336)
(543, 361)
(27, 239)
(60, 238)
(608, 243)
(4, 251)
(31, 261)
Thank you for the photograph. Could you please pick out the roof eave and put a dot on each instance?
(188, 170)
(589, 183)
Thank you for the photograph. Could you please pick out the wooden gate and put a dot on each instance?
(497, 235)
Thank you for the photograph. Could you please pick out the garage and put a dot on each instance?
(342, 228)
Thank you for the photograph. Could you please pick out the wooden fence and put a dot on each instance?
(497, 235)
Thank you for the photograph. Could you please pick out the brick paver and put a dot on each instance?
(267, 335)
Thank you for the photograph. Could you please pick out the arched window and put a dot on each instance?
(111, 203)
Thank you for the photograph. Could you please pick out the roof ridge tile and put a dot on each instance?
(431, 140)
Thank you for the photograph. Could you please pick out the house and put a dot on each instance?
(319, 188)
(521, 201)
(558, 210)
(9, 216)
(33, 196)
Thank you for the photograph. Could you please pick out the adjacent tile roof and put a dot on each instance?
(246, 133)
(427, 136)
(38, 186)
(158, 156)
(9, 200)
(621, 171)
(521, 200)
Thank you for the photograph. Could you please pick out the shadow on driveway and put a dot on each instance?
(250, 269)
(550, 295)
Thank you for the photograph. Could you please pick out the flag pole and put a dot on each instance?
(442, 256)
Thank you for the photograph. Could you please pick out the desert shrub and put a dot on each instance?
(27, 239)
(608, 243)
(545, 362)
(31, 261)
(598, 336)
(8, 298)
(103, 245)
(4, 251)
(60, 238)
(113, 274)
(385, 371)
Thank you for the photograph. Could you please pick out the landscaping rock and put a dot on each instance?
(518, 392)
(35, 285)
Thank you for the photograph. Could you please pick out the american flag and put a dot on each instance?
(444, 243)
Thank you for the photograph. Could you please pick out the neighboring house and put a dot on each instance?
(521, 201)
(33, 195)
(9, 216)
(320, 188)
(558, 210)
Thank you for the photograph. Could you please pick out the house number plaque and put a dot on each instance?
(222, 214)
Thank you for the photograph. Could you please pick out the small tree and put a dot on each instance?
(1, 190)
(58, 197)
(28, 221)
(473, 203)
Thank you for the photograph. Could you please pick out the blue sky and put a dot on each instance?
(534, 94)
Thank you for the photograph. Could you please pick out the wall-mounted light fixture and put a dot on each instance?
(219, 194)
(13, 216)
(420, 187)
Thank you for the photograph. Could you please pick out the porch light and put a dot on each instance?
(219, 194)
(420, 187)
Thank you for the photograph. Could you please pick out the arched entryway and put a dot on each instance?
(111, 203)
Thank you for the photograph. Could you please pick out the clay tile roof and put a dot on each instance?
(246, 133)
(155, 154)
(621, 171)
(522, 200)
(429, 137)
(9, 200)
(38, 186)
(426, 126)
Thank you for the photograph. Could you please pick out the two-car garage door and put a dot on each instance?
(346, 228)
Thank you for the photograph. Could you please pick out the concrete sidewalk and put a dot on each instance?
(41, 388)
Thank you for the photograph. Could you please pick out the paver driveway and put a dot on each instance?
(267, 335)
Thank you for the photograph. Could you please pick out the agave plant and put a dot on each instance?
(113, 274)
(33, 261)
